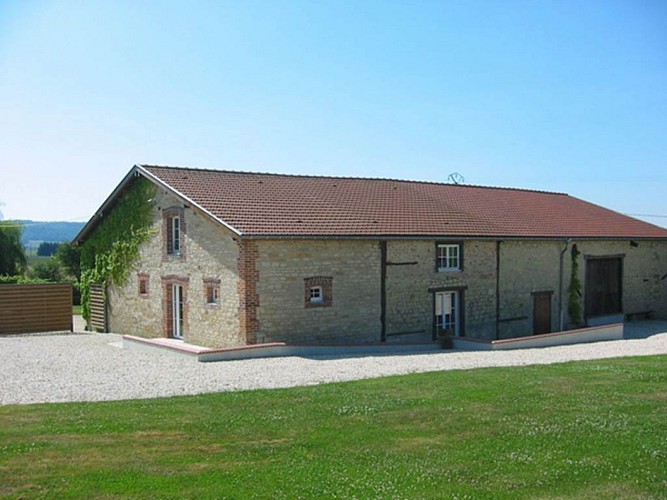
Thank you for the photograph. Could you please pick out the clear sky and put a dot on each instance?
(555, 95)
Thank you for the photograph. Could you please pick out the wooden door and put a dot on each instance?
(603, 287)
(541, 313)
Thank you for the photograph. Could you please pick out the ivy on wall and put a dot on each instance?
(110, 251)
(574, 291)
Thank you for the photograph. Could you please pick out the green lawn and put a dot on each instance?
(588, 430)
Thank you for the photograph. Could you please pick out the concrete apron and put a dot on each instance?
(274, 349)
(279, 349)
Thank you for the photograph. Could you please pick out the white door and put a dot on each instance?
(177, 311)
(447, 313)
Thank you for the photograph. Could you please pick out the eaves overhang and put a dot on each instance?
(450, 236)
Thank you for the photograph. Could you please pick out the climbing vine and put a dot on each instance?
(574, 291)
(109, 252)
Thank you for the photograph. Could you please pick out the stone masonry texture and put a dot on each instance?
(262, 285)
(354, 269)
(212, 254)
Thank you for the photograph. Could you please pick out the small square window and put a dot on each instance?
(143, 285)
(212, 291)
(318, 291)
(316, 295)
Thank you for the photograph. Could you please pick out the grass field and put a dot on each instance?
(588, 430)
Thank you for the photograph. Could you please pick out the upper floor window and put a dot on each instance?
(449, 257)
(174, 233)
(174, 236)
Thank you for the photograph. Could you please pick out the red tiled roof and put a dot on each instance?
(270, 205)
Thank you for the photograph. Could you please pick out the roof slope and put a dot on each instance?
(270, 205)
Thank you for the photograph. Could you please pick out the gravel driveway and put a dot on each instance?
(94, 367)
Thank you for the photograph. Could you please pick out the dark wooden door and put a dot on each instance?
(541, 313)
(603, 286)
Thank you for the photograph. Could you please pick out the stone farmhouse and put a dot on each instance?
(244, 258)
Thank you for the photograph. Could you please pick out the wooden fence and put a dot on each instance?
(35, 308)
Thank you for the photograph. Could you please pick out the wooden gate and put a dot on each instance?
(44, 307)
(98, 308)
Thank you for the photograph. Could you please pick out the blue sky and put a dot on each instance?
(554, 95)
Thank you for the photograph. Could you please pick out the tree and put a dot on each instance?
(47, 249)
(70, 258)
(48, 269)
(12, 255)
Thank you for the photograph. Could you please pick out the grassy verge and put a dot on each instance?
(588, 429)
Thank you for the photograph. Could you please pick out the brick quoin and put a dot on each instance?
(247, 290)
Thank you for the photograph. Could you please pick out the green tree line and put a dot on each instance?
(59, 263)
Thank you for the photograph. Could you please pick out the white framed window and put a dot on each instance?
(173, 229)
(316, 295)
(318, 291)
(449, 257)
(175, 223)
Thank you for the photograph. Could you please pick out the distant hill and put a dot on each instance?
(36, 231)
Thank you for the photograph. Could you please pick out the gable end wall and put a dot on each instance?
(212, 253)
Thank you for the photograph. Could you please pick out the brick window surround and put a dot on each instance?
(318, 291)
(143, 285)
(167, 303)
(169, 250)
(211, 292)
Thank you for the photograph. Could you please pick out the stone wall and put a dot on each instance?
(527, 267)
(412, 277)
(644, 273)
(210, 253)
(264, 285)
(353, 314)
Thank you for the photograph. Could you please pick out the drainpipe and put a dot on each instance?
(498, 289)
(560, 285)
(383, 291)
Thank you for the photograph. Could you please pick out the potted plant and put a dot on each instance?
(446, 337)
